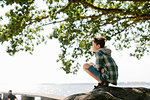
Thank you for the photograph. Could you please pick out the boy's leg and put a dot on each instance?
(85, 67)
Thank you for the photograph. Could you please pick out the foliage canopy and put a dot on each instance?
(75, 23)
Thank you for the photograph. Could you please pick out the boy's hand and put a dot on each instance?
(102, 70)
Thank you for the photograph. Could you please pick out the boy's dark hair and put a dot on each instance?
(100, 41)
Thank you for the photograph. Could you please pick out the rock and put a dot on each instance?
(113, 93)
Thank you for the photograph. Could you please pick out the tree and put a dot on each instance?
(75, 23)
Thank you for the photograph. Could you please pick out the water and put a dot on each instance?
(61, 89)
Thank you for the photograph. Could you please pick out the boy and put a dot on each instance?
(105, 70)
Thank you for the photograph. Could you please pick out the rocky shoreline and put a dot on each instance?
(113, 93)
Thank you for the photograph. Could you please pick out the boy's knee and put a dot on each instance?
(86, 66)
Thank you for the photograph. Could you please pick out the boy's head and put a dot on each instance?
(98, 42)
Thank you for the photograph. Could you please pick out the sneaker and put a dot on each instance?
(101, 85)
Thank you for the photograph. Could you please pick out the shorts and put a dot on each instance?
(98, 74)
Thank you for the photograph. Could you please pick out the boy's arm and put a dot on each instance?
(99, 61)
(102, 69)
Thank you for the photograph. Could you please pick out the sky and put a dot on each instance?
(41, 67)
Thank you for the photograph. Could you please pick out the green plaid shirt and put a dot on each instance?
(104, 60)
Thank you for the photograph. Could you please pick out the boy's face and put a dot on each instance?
(95, 47)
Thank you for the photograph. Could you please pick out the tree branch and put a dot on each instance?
(134, 22)
(145, 16)
(100, 9)
(36, 20)
(66, 20)
(105, 11)
(93, 16)
(114, 21)
(61, 10)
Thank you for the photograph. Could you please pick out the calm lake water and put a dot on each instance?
(61, 89)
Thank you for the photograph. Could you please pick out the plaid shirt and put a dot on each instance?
(104, 60)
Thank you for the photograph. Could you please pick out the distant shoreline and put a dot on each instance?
(63, 89)
(91, 83)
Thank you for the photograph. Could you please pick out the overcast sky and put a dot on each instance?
(41, 67)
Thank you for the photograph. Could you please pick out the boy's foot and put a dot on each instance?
(101, 85)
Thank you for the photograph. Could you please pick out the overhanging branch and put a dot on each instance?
(69, 4)
(134, 22)
(105, 11)
(100, 9)
(71, 19)
(113, 21)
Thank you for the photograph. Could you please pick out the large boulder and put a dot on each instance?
(113, 93)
